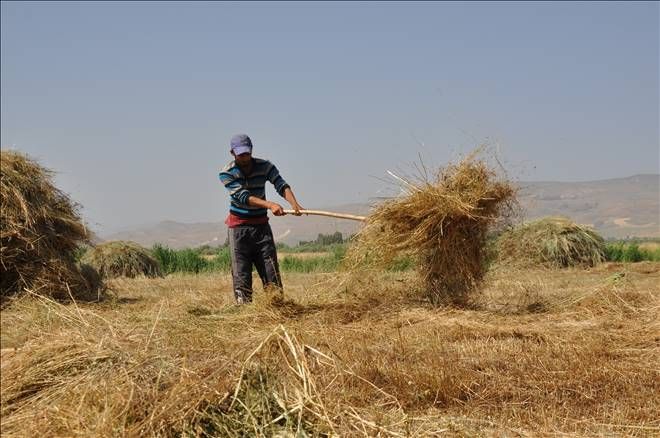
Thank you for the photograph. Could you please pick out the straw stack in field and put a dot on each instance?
(122, 259)
(554, 242)
(441, 223)
(40, 230)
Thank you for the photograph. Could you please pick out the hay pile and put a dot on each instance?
(442, 224)
(40, 231)
(122, 259)
(554, 242)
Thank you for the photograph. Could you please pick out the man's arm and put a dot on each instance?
(234, 187)
(284, 190)
(274, 206)
(291, 199)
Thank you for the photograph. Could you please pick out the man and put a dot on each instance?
(250, 237)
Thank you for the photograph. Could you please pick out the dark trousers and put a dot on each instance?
(252, 245)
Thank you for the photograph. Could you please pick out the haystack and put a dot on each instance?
(122, 259)
(554, 242)
(40, 230)
(442, 224)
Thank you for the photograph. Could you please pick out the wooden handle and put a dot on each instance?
(330, 214)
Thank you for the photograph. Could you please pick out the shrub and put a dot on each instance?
(183, 260)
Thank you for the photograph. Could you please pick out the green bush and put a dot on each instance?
(191, 260)
(614, 252)
(630, 252)
(221, 262)
(326, 263)
(166, 257)
(207, 250)
(183, 260)
(325, 239)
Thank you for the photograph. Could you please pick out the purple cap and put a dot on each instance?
(241, 144)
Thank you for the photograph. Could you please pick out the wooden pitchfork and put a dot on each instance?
(329, 214)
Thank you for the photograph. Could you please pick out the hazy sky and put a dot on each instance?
(134, 103)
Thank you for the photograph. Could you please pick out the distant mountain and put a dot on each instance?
(618, 208)
(623, 207)
(287, 229)
(175, 234)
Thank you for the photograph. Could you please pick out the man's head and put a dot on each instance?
(241, 149)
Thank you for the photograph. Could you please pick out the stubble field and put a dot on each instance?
(542, 353)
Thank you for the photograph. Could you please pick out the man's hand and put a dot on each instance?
(276, 209)
(296, 209)
(289, 196)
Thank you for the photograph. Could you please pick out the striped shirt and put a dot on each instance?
(241, 187)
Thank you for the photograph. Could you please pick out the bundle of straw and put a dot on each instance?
(122, 259)
(40, 231)
(554, 242)
(441, 223)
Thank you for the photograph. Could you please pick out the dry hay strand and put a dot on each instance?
(276, 394)
(553, 242)
(119, 384)
(109, 387)
(40, 231)
(289, 388)
(122, 259)
(617, 296)
(443, 224)
(93, 378)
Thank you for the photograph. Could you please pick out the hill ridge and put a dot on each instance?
(616, 208)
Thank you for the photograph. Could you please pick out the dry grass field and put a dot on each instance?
(542, 353)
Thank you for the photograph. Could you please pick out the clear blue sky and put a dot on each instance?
(134, 103)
